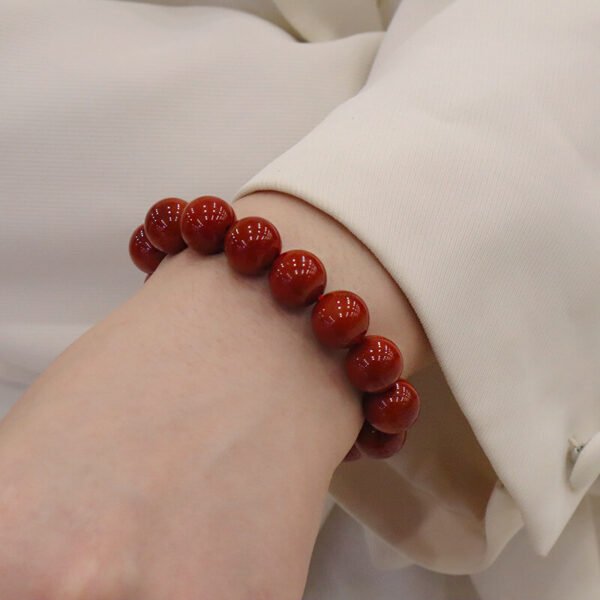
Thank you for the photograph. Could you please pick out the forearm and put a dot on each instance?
(200, 384)
(197, 331)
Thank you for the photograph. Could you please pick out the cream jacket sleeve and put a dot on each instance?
(469, 163)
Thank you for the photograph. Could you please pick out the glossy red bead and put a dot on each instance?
(297, 278)
(394, 409)
(204, 224)
(143, 254)
(374, 364)
(251, 245)
(376, 444)
(353, 454)
(340, 319)
(162, 225)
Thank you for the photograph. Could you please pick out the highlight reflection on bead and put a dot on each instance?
(394, 409)
(143, 254)
(297, 278)
(374, 364)
(340, 319)
(376, 444)
(251, 245)
(162, 225)
(204, 224)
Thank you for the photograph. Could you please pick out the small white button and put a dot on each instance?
(586, 459)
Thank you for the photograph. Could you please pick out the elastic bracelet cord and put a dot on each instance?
(297, 279)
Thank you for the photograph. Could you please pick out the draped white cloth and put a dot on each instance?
(460, 141)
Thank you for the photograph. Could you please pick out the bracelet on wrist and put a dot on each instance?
(297, 279)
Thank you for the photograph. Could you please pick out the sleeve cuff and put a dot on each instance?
(476, 236)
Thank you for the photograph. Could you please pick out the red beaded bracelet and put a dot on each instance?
(297, 279)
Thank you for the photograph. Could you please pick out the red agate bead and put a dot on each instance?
(376, 444)
(340, 319)
(353, 454)
(162, 225)
(297, 278)
(205, 222)
(394, 409)
(143, 254)
(374, 364)
(251, 245)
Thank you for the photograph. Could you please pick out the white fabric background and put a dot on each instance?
(468, 164)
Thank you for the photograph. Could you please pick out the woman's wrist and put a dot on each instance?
(198, 313)
(350, 264)
(201, 414)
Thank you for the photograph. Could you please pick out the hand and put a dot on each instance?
(176, 450)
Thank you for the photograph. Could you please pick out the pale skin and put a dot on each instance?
(182, 449)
